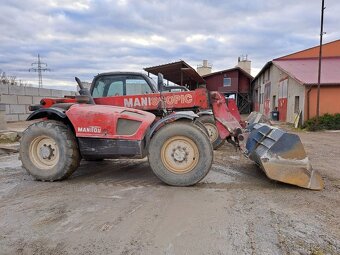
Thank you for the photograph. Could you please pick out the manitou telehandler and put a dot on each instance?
(96, 125)
(138, 91)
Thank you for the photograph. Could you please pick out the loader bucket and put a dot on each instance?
(257, 117)
(281, 156)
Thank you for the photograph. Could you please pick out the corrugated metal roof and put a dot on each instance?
(306, 70)
(172, 72)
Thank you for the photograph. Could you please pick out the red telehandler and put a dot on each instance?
(138, 91)
(280, 154)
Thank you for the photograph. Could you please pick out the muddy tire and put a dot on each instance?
(49, 151)
(180, 154)
(209, 123)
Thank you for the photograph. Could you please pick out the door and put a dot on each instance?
(282, 100)
(267, 100)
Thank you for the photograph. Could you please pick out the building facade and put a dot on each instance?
(289, 84)
(234, 83)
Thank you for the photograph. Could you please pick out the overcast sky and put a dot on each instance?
(82, 38)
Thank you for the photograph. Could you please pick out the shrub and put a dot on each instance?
(327, 121)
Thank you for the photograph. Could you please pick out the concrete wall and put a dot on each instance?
(2, 117)
(295, 89)
(17, 99)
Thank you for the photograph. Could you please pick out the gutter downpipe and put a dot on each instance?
(308, 107)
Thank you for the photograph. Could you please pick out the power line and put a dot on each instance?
(39, 67)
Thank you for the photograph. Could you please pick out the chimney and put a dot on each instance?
(244, 63)
(204, 68)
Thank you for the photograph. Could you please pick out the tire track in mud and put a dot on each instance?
(129, 173)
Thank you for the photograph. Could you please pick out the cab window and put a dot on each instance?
(120, 85)
(116, 88)
(137, 86)
(108, 86)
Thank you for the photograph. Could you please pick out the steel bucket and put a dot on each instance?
(281, 156)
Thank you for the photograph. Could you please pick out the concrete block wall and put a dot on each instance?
(17, 99)
(2, 117)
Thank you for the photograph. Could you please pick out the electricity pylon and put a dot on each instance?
(39, 67)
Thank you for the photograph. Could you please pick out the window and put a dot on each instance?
(98, 90)
(109, 86)
(267, 91)
(116, 88)
(137, 86)
(283, 89)
(226, 82)
(274, 103)
(297, 104)
(120, 85)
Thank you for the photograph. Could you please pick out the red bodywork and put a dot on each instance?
(100, 121)
(148, 102)
(226, 122)
(227, 116)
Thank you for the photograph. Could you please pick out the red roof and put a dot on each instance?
(306, 70)
(331, 49)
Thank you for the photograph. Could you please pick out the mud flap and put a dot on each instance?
(281, 156)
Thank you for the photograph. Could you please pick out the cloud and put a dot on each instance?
(86, 37)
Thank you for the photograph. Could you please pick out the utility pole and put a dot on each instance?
(319, 71)
(39, 67)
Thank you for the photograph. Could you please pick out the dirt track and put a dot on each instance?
(120, 207)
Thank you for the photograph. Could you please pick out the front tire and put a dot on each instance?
(49, 151)
(180, 154)
(209, 123)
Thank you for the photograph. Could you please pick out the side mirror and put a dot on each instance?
(84, 91)
(160, 82)
(80, 84)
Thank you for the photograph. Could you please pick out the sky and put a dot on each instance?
(85, 37)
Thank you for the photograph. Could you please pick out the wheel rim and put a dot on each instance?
(179, 154)
(212, 131)
(44, 152)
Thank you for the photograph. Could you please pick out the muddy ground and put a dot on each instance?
(120, 207)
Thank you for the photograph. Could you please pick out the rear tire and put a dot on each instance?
(209, 123)
(180, 154)
(49, 151)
